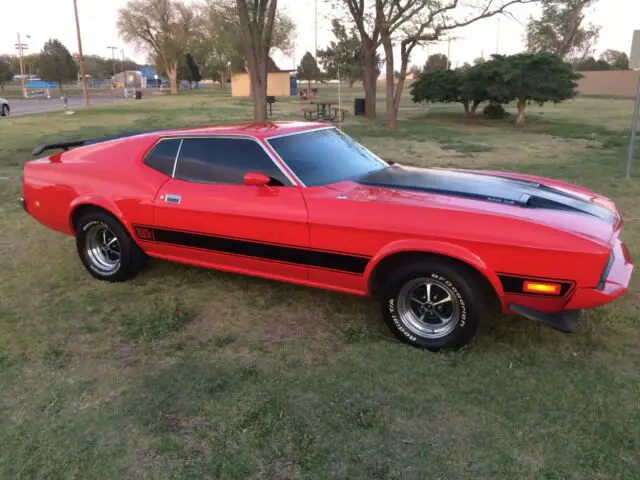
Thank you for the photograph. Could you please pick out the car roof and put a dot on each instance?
(253, 129)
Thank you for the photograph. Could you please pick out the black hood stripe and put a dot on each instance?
(478, 186)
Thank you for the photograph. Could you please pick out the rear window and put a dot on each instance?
(163, 156)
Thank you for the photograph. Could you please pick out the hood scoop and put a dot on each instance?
(485, 187)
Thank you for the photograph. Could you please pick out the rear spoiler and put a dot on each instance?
(81, 143)
(55, 146)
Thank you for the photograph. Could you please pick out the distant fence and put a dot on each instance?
(609, 83)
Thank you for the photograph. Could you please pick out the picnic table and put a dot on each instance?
(324, 110)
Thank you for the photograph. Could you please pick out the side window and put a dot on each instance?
(163, 155)
(225, 160)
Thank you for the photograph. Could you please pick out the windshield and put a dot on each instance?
(321, 157)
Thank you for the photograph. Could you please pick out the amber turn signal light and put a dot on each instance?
(544, 288)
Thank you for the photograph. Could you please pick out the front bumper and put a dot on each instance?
(615, 285)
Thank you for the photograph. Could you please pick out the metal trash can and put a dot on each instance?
(358, 106)
(138, 95)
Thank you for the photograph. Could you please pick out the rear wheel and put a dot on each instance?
(105, 248)
(433, 304)
(5, 110)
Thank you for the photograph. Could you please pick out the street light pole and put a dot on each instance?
(113, 61)
(85, 87)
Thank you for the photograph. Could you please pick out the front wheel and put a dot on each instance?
(5, 110)
(433, 304)
(105, 248)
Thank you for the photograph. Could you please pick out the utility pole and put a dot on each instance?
(498, 37)
(21, 47)
(315, 53)
(449, 53)
(85, 87)
(124, 74)
(113, 61)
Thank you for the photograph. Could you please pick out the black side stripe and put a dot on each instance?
(312, 258)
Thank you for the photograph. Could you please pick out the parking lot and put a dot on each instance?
(74, 101)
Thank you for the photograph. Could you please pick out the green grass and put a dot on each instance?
(186, 372)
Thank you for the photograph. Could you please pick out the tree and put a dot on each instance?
(559, 29)
(218, 44)
(436, 86)
(308, 69)
(257, 22)
(482, 82)
(194, 71)
(162, 27)
(31, 64)
(415, 70)
(219, 49)
(407, 23)
(98, 67)
(344, 54)
(617, 59)
(437, 61)
(188, 70)
(469, 85)
(536, 77)
(57, 64)
(6, 71)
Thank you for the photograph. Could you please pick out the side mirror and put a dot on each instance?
(256, 179)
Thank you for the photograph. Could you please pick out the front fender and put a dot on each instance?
(436, 247)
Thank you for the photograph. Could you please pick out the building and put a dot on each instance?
(280, 83)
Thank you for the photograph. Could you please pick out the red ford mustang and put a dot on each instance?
(304, 203)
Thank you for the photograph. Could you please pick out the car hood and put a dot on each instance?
(536, 199)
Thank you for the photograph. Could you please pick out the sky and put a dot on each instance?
(44, 19)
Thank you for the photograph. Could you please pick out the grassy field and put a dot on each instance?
(193, 373)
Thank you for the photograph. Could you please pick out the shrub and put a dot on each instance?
(495, 111)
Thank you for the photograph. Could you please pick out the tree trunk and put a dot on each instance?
(60, 88)
(400, 85)
(369, 78)
(259, 94)
(223, 80)
(257, 41)
(474, 107)
(392, 114)
(520, 118)
(350, 89)
(172, 73)
(465, 104)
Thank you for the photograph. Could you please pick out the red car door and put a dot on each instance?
(206, 215)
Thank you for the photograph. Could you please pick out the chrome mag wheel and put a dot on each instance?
(103, 248)
(428, 307)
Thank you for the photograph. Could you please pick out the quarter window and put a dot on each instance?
(225, 160)
(163, 156)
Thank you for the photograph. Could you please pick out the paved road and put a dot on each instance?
(39, 105)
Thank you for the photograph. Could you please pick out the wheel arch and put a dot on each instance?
(86, 204)
(400, 252)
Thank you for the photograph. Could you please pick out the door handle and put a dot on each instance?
(172, 198)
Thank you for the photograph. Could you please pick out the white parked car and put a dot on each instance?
(5, 110)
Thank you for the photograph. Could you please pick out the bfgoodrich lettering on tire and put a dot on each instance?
(106, 249)
(433, 304)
